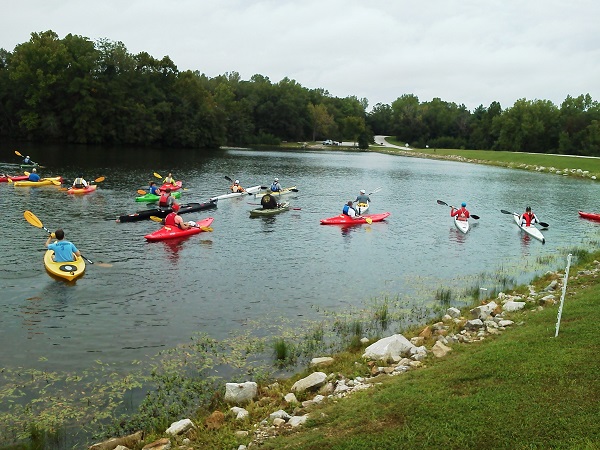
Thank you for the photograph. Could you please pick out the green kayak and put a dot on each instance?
(258, 212)
(154, 198)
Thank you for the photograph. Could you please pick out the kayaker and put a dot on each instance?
(166, 199)
(79, 182)
(235, 187)
(169, 179)
(64, 251)
(349, 210)
(154, 190)
(528, 218)
(268, 202)
(462, 212)
(27, 160)
(174, 219)
(362, 197)
(33, 176)
(276, 187)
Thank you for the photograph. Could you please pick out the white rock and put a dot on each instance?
(513, 306)
(440, 350)
(324, 361)
(240, 413)
(239, 393)
(388, 348)
(298, 420)
(290, 398)
(313, 381)
(453, 312)
(281, 414)
(180, 427)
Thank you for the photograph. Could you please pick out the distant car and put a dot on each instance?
(328, 142)
(337, 143)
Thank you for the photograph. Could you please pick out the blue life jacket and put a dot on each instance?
(275, 187)
(346, 209)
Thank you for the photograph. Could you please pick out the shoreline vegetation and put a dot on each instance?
(523, 389)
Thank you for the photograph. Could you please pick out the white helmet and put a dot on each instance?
(237, 182)
(362, 191)
(276, 179)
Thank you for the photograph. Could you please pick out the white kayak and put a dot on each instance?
(462, 225)
(250, 190)
(530, 230)
(284, 191)
(362, 208)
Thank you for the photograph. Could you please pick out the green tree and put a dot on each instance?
(320, 119)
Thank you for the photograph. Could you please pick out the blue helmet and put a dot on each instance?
(463, 204)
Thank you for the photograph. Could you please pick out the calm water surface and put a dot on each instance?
(156, 295)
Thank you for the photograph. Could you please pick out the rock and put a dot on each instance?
(364, 340)
(417, 340)
(552, 286)
(129, 441)
(161, 444)
(238, 393)
(281, 414)
(473, 324)
(327, 389)
(312, 382)
(513, 306)
(505, 323)
(440, 350)
(290, 398)
(548, 300)
(453, 312)
(425, 333)
(387, 348)
(324, 361)
(121, 447)
(240, 413)
(297, 420)
(241, 433)
(278, 422)
(180, 427)
(215, 420)
(483, 312)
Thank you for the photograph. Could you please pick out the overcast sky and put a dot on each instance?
(469, 52)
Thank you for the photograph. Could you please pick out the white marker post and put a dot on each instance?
(562, 297)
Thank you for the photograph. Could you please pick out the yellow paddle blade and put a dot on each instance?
(99, 179)
(206, 228)
(157, 175)
(9, 180)
(32, 219)
(369, 220)
(156, 219)
(18, 154)
(26, 173)
(141, 192)
(63, 189)
(56, 182)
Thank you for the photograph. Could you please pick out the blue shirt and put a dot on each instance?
(34, 177)
(154, 190)
(63, 250)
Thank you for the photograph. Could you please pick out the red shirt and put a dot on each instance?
(462, 213)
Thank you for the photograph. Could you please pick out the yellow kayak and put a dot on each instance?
(67, 270)
(43, 182)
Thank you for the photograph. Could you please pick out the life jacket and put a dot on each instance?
(275, 187)
(528, 218)
(164, 199)
(346, 210)
(236, 188)
(170, 219)
(78, 183)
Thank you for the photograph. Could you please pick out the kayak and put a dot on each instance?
(42, 182)
(15, 178)
(284, 191)
(171, 186)
(80, 191)
(591, 216)
(250, 190)
(462, 225)
(29, 166)
(67, 270)
(171, 232)
(260, 212)
(343, 219)
(530, 230)
(149, 198)
(362, 207)
(162, 212)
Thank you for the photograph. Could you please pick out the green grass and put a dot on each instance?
(513, 159)
(524, 389)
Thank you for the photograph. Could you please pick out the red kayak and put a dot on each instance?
(591, 216)
(169, 232)
(343, 219)
(15, 178)
(173, 187)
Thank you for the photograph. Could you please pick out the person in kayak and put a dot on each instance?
(33, 176)
(462, 212)
(235, 187)
(268, 202)
(362, 197)
(275, 187)
(169, 179)
(79, 182)
(64, 251)
(349, 210)
(174, 219)
(27, 160)
(166, 199)
(528, 218)
(153, 189)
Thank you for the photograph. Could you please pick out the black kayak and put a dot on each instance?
(162, 212)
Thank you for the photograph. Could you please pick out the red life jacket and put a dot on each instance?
(170, 219)
(164, 199)
(528, 216)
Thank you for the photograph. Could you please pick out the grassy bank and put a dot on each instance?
(523, 389)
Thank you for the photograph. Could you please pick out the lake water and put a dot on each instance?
(156, 295)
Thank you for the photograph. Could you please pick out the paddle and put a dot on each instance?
(33, 220)
(158, 219)
(542, 224)
(375, 191)
(32, 162)
(474, 216)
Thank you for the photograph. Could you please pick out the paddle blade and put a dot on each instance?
(18, 154)
(26, 173)
(141, 192)
(544, 224)
(294, 190)
(228, 179)
(99, 179)
(474, 216)
(56, 182)
(439, 202)
(369, 220)
(503, 211)
(32, 219)
(206, 228)
(9, 180)
(156, 219)
(157, 175)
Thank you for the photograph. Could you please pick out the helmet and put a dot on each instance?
(33, 170)
(237, 182)
(176, 207)
(276, 179)
(80, 175)
(528, 208)
(463, 204)
(362, 191)
(27, 156)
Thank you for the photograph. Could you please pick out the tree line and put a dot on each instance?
(76, 90)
